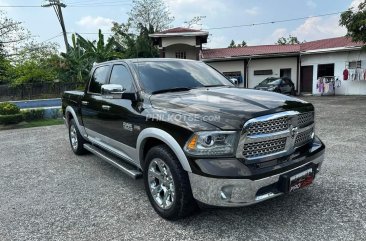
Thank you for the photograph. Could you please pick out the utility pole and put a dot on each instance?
(57, 5)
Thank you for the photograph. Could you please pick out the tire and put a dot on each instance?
(165, 179)
(76, 140)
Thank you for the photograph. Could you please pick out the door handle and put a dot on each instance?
(106, 107)
(84, 102)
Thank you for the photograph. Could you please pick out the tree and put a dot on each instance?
(233, 45)
(289, 40)
(33, 63)
(194, 22)
(78, 61)
(12, 34)
(148, 13)
(134, 45)
(355, 22)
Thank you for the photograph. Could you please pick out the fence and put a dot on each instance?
(43, 90)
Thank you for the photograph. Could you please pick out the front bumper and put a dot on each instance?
(235, 192)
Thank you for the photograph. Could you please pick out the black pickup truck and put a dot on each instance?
(193, 136)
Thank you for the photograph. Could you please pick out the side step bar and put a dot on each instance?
(115, 161)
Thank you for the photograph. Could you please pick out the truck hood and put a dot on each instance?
(227, 108)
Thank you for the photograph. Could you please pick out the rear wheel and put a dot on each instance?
(76, 140)
(167, 184)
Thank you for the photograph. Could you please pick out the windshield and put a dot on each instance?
(157, 76)
(271, 81)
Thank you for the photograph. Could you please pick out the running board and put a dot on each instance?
(130, 170)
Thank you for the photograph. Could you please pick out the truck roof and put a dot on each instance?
(136, 60)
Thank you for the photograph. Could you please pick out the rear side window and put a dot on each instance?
(122, 76)
(98, 79)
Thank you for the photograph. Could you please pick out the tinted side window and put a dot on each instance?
(121, 76)
(98, 79)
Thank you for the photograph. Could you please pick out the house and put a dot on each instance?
(303, 63)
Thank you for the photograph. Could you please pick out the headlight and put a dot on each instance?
(211, 143)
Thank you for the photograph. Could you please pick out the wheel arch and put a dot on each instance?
(71, 114)
(151, 135)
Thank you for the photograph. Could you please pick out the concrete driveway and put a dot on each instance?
(48, 193)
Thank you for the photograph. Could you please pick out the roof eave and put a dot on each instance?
(184, 34)
(330, 50)
(258, 56)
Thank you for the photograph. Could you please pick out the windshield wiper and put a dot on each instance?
(177, 89)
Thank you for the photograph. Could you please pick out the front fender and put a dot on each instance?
(167, 139)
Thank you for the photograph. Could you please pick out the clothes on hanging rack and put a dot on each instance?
(345, 74)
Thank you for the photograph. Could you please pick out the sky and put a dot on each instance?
(84, 16)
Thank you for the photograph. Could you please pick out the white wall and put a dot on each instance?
(339, 60)
(229, 66)
(191, 52)
(178, 40)
(275, 64)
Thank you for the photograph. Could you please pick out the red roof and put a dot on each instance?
(250, 50)
(330, 43)
(179, 30)
(279, 49)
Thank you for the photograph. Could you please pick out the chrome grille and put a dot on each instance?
(305, 119)
(268, 127)
(284, 132)
(304, 137)
(263, 148)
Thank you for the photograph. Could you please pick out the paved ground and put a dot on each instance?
(47, 193)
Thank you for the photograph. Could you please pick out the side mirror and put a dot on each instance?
(234, 81)
(112, 91)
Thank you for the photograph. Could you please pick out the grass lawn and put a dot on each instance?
(36, 123)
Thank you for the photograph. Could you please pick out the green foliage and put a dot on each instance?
(34, 114)
(5, 70)
(32, 71)
(355, 22)
(10, 113)
(289, 40)
(7, 108)
(233, 45)
(78, 61)
(11, 119)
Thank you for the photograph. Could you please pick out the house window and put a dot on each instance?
(231, 75)
(263, 72)
(180, 55)
(354, 64)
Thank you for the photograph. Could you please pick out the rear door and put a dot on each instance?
(91, 103)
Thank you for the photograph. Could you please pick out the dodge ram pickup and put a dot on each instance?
(192, 135)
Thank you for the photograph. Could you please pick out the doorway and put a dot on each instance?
(306, 79)
(285, 73)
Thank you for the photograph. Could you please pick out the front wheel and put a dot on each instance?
(167, 184)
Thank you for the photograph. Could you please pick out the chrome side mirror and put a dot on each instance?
(234, 81)
(112, 91)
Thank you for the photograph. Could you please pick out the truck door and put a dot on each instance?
(121, 118)
(91, 104)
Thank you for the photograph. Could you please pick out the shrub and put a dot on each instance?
(7, 108)
(34, 114)
(11, 119)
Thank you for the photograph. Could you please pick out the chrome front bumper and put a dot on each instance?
(236, 192)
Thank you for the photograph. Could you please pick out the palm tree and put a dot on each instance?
(83, 53)
(98, 51)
